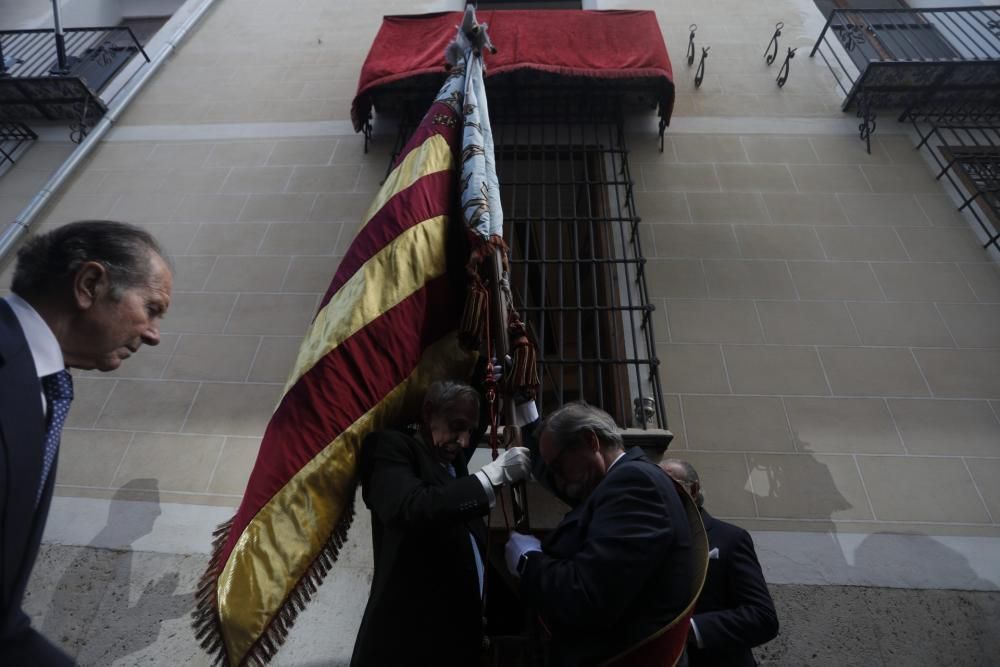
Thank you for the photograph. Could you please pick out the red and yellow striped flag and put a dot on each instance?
(385, 329)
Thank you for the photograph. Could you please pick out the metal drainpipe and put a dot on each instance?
(22, 222)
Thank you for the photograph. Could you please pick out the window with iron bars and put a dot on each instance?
(576, 261)
(964, 141)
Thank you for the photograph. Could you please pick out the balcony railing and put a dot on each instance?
(50, 77)
(32, 53)
(964, 142)
(907, 58)
(896, 57)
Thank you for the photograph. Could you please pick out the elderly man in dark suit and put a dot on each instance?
(85, 295)
(735, 611)
(620, 565)
(426, 600)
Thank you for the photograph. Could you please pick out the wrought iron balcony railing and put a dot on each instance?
(45, 76)
(33, 53)
(903, 55)
(907, 58)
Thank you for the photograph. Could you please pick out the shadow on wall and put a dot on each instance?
(99, 613)
(806, 490)
(864, 604)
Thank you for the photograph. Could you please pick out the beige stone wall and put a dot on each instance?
(829, 334)
(828, 327)
(265, 61)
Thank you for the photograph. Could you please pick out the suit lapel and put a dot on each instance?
(477, 526)
(438, 473)
(22, 426)
(461, 465)
(708, 520)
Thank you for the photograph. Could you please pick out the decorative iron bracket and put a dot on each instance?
(644, 411)
(867, 125)
(104, 54)
(79, 130)
(663, 128)
(699, 75)
(785, 67)
(853, 36)
(770, 56)
(367, 130)
(690, 53)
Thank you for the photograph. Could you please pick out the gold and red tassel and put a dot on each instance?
(523, 376)
(473, 324)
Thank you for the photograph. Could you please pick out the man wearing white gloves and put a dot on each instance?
(619, 566)
(425, 606)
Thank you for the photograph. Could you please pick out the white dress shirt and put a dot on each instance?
(42, 343)
(617, 459)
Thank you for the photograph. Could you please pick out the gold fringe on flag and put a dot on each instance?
(207, 622)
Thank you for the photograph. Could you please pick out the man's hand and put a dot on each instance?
(518, 545)
(513, 465)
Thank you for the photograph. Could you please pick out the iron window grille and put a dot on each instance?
(576, 260)
(964, 141)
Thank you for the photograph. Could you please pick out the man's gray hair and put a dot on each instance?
(690, 476)
(47, 263)
(445, 393)
(572, 421)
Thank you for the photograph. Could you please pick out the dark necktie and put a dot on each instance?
(58, 389)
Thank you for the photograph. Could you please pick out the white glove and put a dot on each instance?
(517, 546)
(513, 465)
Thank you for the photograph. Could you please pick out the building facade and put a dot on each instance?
(827, 328)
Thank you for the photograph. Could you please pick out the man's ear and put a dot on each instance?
(89, 284)
(593, 442)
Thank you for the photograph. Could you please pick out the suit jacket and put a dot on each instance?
(735, 611)
(616, 569)
(22, 435)
(425, 607)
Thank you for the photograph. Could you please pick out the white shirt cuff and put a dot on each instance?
(697, 635)
(525, 413)
(487, 487)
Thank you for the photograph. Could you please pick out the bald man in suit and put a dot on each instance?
(735, 611)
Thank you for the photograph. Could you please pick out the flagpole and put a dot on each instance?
(499, 318)
(483, 211)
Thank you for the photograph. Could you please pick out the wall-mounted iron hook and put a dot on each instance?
(690, 54)
(785, 67)
(770, 56)
(699, 76)
(868, 123)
